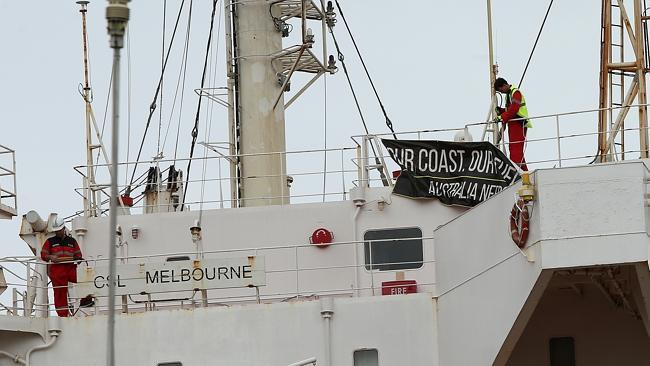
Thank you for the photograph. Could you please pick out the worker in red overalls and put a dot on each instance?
(62, 252)
(515, 117)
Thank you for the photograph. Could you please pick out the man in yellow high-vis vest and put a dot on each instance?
(515, 116)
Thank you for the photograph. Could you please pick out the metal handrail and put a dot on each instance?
(362, 166)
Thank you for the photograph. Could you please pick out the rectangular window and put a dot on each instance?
(404, 252)
(562, 351)
(366, 357)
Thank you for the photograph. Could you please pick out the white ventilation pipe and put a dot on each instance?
(14, 358)
(357, 265)
(305, 362)
(327, 311)
(54, 331)
(35, 221)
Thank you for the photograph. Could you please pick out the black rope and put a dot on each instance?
(195, 130)
(535, 45)
(152, 107)
(389, 123)
(162, 87)
(341, 58)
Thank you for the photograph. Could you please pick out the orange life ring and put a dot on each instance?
(519, 218)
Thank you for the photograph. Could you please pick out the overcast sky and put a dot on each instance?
(428, 60)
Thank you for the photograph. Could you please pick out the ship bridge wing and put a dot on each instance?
(586, 256)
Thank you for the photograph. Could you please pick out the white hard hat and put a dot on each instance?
(58, 224)
(463, 136)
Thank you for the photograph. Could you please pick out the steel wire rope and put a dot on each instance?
(162, 80)
(180, 85)
(535, 44)
(389, 123)
(341, 58)
(152, 107)
(108, 100)
(208, 116)
(195, 130)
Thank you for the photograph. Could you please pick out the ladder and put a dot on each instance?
(617, 79)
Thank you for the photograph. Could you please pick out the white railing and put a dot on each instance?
(293, 280)
(557, 140)
(8, 197)
(316, 175)
(319, 175)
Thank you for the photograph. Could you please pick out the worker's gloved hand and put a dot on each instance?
(498, 119)
(500, 111)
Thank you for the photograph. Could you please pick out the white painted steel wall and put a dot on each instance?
(593, 214)
(273, 228)
(488, 288)
(401, 328)
(483, 282)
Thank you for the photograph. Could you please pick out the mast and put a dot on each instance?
(621, 81)
(261, 126)
(91, 196)
(259, 73)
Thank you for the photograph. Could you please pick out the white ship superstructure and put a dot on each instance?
(254, 278)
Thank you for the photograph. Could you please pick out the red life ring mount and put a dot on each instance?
(520, 214)
(321, 237)
(519, 222)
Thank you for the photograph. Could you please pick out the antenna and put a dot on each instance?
(91, 196)
(491, 126)
(621, 81)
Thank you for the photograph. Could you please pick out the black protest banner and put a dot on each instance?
(457, 173)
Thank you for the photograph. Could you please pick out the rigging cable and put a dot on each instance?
(212, 74)
(180, 85)
(152, 107)
(162, 82)
(195, 130)
(535, 45)
(108, 100)
(389, 123)
(341, 58)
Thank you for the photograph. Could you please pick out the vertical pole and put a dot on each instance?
(605, 47)
(493, 74)
(621, 56)
(113, 206)
(343, 172)
(117, 15)
(232, 126)
(372, 268)
(297, 271)
(363, 163)
(557, 131)
(89, 179)
(640, 65)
